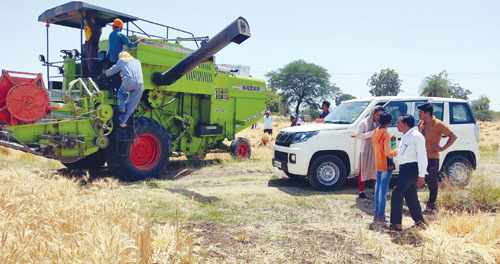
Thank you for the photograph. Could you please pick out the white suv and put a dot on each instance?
(328, 153)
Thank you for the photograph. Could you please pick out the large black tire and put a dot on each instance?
(149, 152)
(327, 173)
(240, 148)
(458, 169)
(92, 162)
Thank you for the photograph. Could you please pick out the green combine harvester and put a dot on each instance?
(189, 107)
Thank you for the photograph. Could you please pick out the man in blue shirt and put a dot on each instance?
(325, 106)
(132, 85)
(294, 119)
(116, 41)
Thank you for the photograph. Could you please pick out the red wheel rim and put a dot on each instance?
(145, 152)
(242, 151)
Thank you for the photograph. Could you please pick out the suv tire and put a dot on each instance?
(327, 173)
(458, 170)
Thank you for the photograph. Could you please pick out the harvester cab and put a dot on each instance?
(189, 105)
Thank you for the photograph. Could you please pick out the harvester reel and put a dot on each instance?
(27, 102)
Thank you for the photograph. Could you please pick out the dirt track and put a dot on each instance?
(259, 215)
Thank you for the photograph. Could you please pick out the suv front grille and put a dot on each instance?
(281, 156)
(284, 139)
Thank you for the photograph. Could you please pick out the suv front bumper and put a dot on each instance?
(294, 159)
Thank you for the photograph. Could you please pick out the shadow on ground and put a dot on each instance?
(177, 169)
(194, 195)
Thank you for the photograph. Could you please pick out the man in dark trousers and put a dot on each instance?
(433, 129)
(412, 159)
(89, 55)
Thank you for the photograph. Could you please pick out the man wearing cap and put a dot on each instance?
(433, 129)
(294, 120)
(116, 41)
(268, 123)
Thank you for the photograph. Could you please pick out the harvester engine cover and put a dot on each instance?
(23, 98)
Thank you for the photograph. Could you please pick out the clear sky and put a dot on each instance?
(351, 39)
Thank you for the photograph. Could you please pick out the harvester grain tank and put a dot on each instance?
(189, 107)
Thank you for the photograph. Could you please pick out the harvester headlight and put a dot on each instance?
(41, 58)
(303, 136)
(75, 53)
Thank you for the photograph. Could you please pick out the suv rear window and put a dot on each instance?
(460, 113)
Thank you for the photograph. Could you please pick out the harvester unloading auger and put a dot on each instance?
(189, 106)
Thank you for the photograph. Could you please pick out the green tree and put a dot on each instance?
(440, 85)
(313, 111)
(301, 82)
(457, 91)
(481, 108)
(273, 101)
(385, 83)
(343, 97)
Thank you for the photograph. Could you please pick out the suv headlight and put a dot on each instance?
(303, 136)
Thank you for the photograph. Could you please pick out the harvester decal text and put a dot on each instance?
(250, 88)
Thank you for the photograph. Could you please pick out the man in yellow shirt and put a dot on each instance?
(433, 129)
(89, 55)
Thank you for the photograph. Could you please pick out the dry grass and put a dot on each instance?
(48, 218)
(489, 135)
(231, 211)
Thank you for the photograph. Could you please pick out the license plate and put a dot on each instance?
(277, 164)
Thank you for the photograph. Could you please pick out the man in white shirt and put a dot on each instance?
(268, 123)
(412, 159)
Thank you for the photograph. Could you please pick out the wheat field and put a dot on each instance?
(49, 218)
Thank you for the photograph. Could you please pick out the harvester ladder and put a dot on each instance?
(124, 138)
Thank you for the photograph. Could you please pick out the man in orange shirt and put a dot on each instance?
(432, 129)
(381, 142)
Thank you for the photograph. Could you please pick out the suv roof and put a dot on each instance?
(403, 98)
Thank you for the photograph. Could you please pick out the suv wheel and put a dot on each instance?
(327, 173)
(458, 169)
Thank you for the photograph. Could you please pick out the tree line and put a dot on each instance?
(302, 85)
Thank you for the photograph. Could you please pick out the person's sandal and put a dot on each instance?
(420, 225)
(429, 210)
(392, 227)
(382, 219)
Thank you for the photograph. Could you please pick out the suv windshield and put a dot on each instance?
(346, 112)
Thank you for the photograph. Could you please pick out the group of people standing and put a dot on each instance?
(131, 84)
(417, 156)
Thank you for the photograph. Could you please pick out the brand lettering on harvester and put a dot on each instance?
(219, 110)
(255, 116)
(250, 88)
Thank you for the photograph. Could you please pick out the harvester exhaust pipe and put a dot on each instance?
(236, 32)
